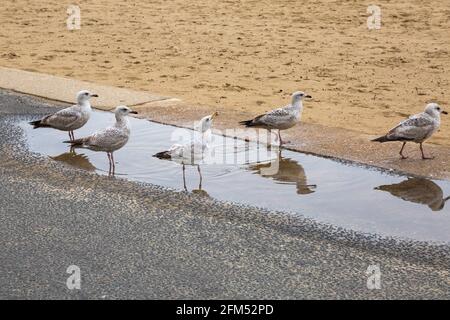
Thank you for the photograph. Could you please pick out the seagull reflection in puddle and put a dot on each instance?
(285, 170)
(80, 161)
(418, 190)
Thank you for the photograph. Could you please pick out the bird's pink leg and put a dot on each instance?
(184, 177)
(401, 151)
(201, 178)
(281, 140)
(109, 162)
(113, 164)
(423, 155)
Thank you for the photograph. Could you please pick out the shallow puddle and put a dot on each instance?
(325, 190)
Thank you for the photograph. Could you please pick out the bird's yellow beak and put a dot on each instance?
(215, 114)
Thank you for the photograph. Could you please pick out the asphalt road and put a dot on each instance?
(143, 242)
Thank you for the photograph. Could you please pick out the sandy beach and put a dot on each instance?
(328, 215)
(248, 56)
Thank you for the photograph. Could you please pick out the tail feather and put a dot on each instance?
(38, 124)
(76, 142)
(163, 155)
(381, 139)
(247, 123)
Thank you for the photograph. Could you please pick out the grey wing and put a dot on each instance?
(63, 119)
(276, 117)
(109, 138)
(416, 127)
(190, 149)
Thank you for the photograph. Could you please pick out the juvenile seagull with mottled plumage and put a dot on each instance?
(69, 119)
(416, 128)
(281, 118)
(109, 139)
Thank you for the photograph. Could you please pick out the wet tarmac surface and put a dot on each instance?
(328, 191)
(135, 239)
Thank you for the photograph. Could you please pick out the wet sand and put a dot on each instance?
(245, 57)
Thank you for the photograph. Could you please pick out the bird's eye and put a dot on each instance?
(86, 94)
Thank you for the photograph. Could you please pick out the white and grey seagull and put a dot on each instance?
(109, 139)
(281, 118)
(417, 128)
(194, 151)
(69, 119)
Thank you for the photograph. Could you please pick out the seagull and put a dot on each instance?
(109, 139)
(416, 128)
(281, 118)
(193, 151)
(69, 119)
